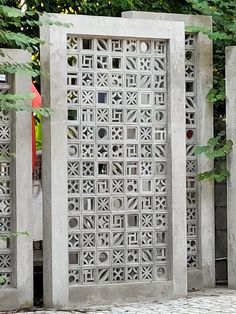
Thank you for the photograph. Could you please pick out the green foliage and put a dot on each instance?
(25, 68)
(5, 237)
(223, 13)
(13, 23)
(223, 34)
(217, 149)
(12, 235)
(13, 102)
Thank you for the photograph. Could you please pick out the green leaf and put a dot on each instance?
(26, 68)
(15, 97)
(19, 39)
(207, 175)
(212, 154)
(12, 102)
(6, 156)
(2, 280)
(228, 146)
(200, 149)
(11, 235)
(213, 141)
(11, 12)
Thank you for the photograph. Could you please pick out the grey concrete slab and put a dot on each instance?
(231, 184)
(214, 301)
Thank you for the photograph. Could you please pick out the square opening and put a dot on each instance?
(132, 220)
(88, 204)
(145, 99)
(132, 168)
(146, 186)
(189, 87)
(72, 115)
(116, 63)
(131, 133)
(3, 78)
(102, 97)
(87, 44)
(73, 258)
(103, 168)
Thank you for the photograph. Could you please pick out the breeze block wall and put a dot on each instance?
(199, 128)
(114, 161)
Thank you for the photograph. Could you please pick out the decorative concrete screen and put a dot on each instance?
(15, 193)
(199, 119)
(114, 164)
(230, 81)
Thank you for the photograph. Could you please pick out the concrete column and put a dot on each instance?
(178, 190)
(54, 169)
(231, 134)
(21, 295)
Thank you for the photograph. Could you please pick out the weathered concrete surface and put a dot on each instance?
(231, 134)
(204, 128)
(55, 159)
(209, 301)
(19, 293)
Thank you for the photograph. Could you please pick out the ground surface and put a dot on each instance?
(211, 301)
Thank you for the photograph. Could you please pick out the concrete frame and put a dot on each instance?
(205, 276)
(230, 68)
(56, 291)
(21, 295)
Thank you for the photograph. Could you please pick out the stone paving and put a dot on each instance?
(211, 301)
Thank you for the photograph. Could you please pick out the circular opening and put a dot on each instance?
(72, 150)
(73, 222)
(71, 279)
(159, 222)
(132, 48)
(117, 203)
(115, 148)
(129, 187)
(102, 132)
(72, 61)
(188, 55)
(130, 258)
(103, 257)
(143, 47)
(5, 112)
(71, 207)
(189, 134)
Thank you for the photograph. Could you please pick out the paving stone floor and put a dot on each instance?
(213, 301)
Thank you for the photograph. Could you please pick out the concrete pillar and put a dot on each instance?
(20, 292)
(231, 184)
(54, 170)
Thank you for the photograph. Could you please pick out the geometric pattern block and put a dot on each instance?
(5, 190)
(117, 159)
(191, 142)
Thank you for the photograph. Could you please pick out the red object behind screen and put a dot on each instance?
(36, 102)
